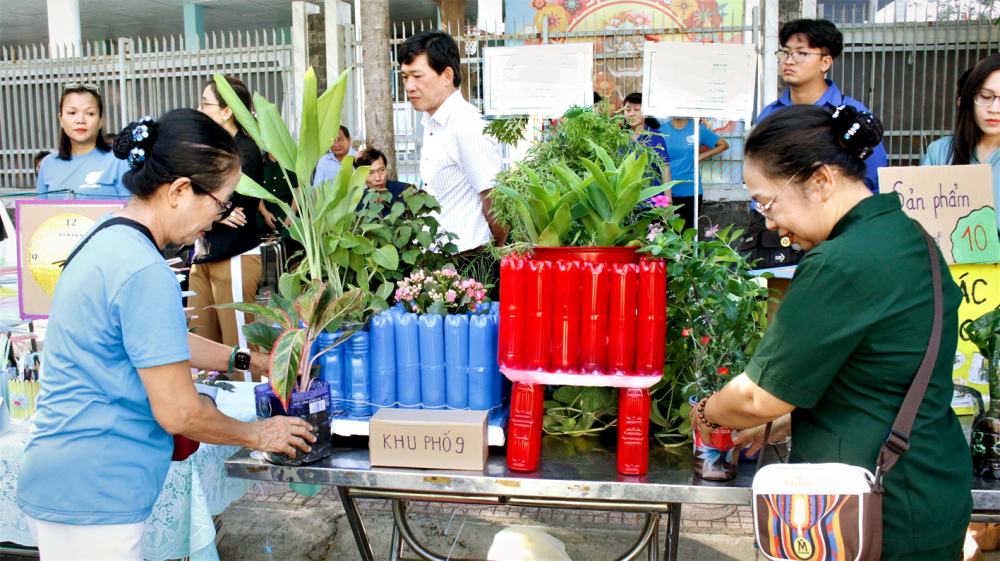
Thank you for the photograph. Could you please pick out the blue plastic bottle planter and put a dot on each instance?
(456, 350)
(357, 375)
(480, 363)
(407, 361)
(383, 361)
(432, 378)
(331, 367)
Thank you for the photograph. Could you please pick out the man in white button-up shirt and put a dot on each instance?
(458, 162)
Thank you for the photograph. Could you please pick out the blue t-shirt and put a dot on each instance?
(94, 175)
(328, 167)
(97, 454)
(653, 139)
(680, 144)
(832, 99)
(939, 154)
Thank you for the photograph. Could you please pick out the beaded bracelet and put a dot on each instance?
(701, 414)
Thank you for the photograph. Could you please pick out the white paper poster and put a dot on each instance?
(538, 80)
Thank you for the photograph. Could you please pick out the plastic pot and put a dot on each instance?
(591, 254)
(312, 406)
(717, 459)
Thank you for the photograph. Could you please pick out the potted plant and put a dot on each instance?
(209, 384)
(984, 333)
(287, 327)
(718, 314)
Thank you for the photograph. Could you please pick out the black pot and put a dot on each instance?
(312, 406)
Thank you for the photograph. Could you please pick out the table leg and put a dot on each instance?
(633, 431)
(524, 436)
(673, 532)
(396, 553)
(357, 525)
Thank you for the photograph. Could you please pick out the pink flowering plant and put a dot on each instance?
(441, 292)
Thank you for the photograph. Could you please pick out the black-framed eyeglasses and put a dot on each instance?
(226, 206)
(984, 98)
(80, 85)
(797, 56)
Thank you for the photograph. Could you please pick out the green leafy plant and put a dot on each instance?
(508, 131)
(212, 378)
(605, 202)
(575, 136)
(984, 333)
(317, 307)
(579, 411)
(718, 314)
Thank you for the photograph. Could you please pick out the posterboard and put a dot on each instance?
(538, 80)
(954, 204)
(46, 233)
(980, 286)
(707, 80)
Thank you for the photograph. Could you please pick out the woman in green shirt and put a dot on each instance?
(836, 362)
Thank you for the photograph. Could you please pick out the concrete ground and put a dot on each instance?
(316, 528)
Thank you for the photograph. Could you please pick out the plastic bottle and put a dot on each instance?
(499, 382)
(538, 313)
(407, 361)
(512, 285)
(524, 435)
(357, 375)
(482, 363)
(456, 349)
(622, 307)
(651, 331)
(593, 317)
(331, 367)
(633, 431)
(566, 317)
(432, 376)
(383, 362)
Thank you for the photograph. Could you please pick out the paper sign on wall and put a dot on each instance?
(980, 286)
(954, 204)
(707, 80)
(539, 80)
(46, 233)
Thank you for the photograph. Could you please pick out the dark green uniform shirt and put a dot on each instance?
(844, 348)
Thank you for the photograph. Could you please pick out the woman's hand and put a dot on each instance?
(697, 425)
(236, 218)
(269, 218)
(280, 434)
(781, 428)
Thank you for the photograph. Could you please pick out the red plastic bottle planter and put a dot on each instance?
(572, 319)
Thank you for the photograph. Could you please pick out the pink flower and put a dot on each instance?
(661, 200)
(450, 296)
(480, 294)
(685, 332)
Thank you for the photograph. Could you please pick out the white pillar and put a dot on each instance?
(809, 9)
(769, 82)
(64, 28)
(300, 56)
(339, 38)
(490, 18)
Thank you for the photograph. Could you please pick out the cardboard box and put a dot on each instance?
(424, 438)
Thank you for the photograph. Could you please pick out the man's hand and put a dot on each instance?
(269, 218)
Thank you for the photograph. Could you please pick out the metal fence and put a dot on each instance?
(136, 77)
(907, 74)
(617, 72)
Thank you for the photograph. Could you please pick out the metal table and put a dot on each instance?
(566, 478)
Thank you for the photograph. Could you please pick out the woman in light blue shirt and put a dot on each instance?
(117, 376)
(976, 138)
(84, 165)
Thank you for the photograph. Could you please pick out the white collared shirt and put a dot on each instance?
(457, 163)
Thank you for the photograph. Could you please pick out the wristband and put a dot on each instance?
(232, 359)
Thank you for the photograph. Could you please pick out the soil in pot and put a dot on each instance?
(312, 406)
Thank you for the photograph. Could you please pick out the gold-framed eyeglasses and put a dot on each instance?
(985, 98)
(763, 210)
(796, 56)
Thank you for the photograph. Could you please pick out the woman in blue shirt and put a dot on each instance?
(976, 138)
(84, 165)
(118, 357)
(678, 135)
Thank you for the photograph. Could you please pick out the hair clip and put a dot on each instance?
(140, 133)
(850, 132)
(136, 156)
(146, 119)
(836, 112)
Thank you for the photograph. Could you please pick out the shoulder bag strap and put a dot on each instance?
(898, 441)
(108, 223)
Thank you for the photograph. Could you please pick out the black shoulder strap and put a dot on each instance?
(107, 224)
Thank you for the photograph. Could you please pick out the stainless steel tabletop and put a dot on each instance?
(579, 469)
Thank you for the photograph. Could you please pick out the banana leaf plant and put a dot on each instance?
(602, 208)
(300, 318)
(325, 214)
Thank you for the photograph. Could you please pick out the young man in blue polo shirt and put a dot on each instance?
(808, 47)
